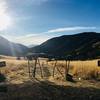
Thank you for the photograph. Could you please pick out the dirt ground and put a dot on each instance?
(48, 90)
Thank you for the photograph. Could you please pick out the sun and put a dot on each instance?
(5, 22)
(5, 19)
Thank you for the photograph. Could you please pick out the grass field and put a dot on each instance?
(21, 87)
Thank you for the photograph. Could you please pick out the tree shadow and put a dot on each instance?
(2, 78)
(3, 87)
(46, 90)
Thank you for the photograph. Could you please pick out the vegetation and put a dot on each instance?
(17, 70)
(21, 87)
(87, 70)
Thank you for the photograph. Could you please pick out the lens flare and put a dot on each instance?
(5, 19)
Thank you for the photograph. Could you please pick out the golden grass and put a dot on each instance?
(83, 69)
(86, 69)
(21, 87)
(16, 71)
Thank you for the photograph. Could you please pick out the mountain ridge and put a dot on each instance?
(84, 45)
(9, 48)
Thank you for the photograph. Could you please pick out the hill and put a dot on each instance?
(11, 49)
(32, 45)
(80, 46)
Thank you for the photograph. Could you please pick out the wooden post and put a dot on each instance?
(54, 67)
(60, 72)
(34, 71)
(29, 67)
(66, 70)
(40, 68)
(68, 77)
(68, 66)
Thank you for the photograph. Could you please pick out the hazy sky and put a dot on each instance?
(34, 21)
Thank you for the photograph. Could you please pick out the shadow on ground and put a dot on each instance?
(45, 90)
(3, 87)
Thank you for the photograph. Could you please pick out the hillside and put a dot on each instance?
(80, 46)
(11, 49)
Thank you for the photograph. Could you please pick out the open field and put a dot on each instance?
(21, 87)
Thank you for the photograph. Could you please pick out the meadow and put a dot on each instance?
(17, 70)
(21, 87)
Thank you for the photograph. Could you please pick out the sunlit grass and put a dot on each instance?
(16, 71)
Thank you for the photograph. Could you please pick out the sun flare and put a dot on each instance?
(5, 19)
(5, 22)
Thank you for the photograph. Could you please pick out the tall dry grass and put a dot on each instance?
(86, 69)
(16, 71)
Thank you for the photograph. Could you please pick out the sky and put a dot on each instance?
(35, 21)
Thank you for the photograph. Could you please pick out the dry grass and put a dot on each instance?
(82, 69)
(86, 69)
(20, 87)
(17, 71)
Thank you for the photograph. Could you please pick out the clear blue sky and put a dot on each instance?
(34, 21)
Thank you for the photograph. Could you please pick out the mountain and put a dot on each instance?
(11, 49)
(32, 45)
(84, 45)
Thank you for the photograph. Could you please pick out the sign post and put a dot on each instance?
(98, 63)
(2, 64)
